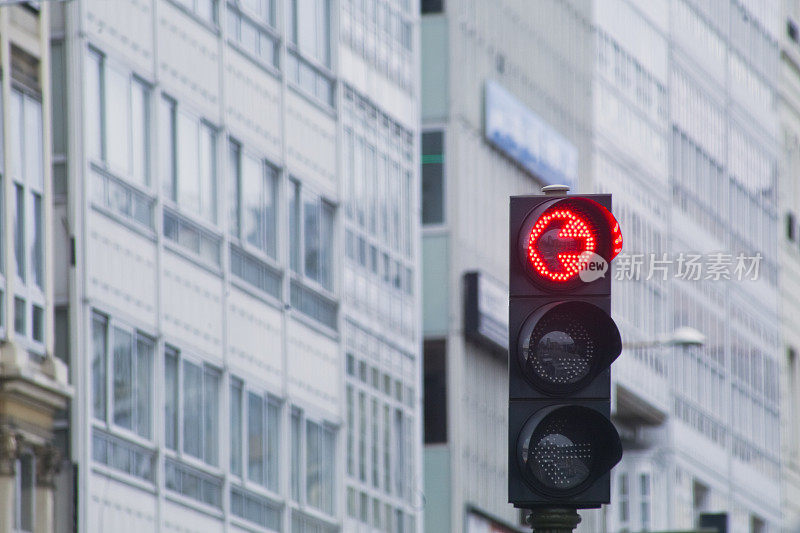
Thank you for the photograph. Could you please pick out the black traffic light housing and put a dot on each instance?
(562, 341)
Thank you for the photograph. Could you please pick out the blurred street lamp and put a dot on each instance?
(683, 337)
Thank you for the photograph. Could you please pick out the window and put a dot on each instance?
(624, 505)
(431, 6)
(118, 120)
(206, 10)
(188, 160)
(260, 443)
(433, 177)
(309, 57)
(25, 489)
(790, 226)
(122, 376)
(435, 382)
(644, 502)
(309, 29)
(311, 236)
(236, 426)
(312, 465)
(27, 173)
(191, 409)
(251, 26)
(253, 186)
(757, 524)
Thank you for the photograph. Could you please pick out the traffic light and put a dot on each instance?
(562, 341)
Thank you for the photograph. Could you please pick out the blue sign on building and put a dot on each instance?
(527, 139)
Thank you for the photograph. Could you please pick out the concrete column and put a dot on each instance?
(48, 461)
(8, 470)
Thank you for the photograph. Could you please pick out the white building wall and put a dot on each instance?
(280, 333)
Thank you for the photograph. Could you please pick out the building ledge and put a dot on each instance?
(635, 410)
(44, 381)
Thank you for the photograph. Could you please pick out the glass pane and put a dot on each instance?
(255, 438)
(139, 128)
(36, 246)
(17, 155)
(188, 168)
(313, 466)
(252, 194)
(123, 379)
(37, 323)
(171, 400)
(270, 212)
(94, 106)
(311, 238)
(34, 164)
(192, 409)
(323, 33)
(19, 231)
(351, 429)
(234, 190)
(211, 417)
(208, 183)
(294, 225)
(166, 150)
(236, 427)
(327, 460)
(206, 9)
(249, 37)
(144, 388)
(19, 316)
(99, 368)
(273, 445)
(326, 245)
(117, 131)
(296, 482)
(306, 31)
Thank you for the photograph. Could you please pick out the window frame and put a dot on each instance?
(265, 27)
(269, 423)
(179, 452)
(108, 423)
(144, 183)
(194, 12)
(31, 285)
(172, 195)
(297, 196)
(270, 176)
(299, 464)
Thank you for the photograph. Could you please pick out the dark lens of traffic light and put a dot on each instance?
(563, 346)
(559, 350)
(560, 453)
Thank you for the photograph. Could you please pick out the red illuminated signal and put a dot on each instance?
(559, 243)
(562, 237)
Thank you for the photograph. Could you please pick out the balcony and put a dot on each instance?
(641, 387)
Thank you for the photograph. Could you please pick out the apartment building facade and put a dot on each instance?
(670, 106)
(237, 194)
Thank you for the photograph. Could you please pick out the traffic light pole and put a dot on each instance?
(554, 520)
